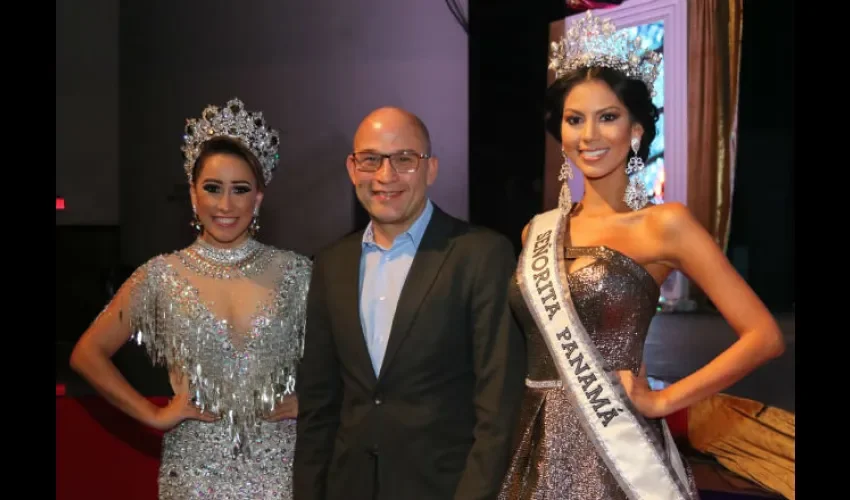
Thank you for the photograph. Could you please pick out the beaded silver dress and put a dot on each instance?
(229, 326)
(553, 458)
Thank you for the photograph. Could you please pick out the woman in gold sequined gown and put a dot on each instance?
(225, 316)
(614, 249)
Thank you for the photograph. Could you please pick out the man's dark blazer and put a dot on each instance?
(437, 422)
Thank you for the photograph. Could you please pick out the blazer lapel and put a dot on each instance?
(348, 301)
(433, 250)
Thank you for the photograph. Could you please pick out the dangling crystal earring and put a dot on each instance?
(565, 199)
(636, 196)
(196, 222)
(254, 228)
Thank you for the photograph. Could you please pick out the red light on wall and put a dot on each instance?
(60, 203)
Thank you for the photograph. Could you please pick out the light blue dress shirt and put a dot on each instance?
(382, 276)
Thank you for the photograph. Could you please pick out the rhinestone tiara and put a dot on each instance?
(591, 42)
(249, 127)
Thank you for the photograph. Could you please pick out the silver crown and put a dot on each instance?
(591, 42)
(235, 122)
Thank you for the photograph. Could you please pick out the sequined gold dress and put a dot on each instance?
(228, 324)
(554, 458)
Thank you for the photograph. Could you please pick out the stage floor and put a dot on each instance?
(679, 344)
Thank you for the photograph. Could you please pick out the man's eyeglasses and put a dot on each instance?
(404, 162)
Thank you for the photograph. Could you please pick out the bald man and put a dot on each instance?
(413, 367)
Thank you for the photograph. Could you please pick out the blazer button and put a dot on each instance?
(378, 401)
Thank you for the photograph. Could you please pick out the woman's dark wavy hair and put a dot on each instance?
(633, 93)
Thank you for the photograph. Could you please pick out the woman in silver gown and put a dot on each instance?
(225, 316)
(587, 288)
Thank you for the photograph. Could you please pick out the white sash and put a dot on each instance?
(634, 456)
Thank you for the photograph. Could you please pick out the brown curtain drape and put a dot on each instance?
(714, 37)
(714, 54)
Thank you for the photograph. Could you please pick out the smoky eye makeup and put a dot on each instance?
(239, 187)
(605, 116)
